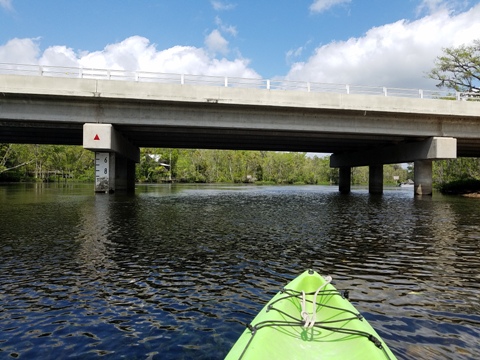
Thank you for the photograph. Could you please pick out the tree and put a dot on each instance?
(8, 158)
(458, 68)
(155, 164)
(445, 171)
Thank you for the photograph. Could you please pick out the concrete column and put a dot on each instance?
(104, 172)
(113, 172)
(115, 158)
(345, 179)
(375, 179)
(124, 173)
(423, 177)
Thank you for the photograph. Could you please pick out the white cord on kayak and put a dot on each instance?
(308, 318)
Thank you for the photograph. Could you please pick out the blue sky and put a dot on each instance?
(365, 42)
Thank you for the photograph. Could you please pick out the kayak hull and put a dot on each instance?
(309, 319)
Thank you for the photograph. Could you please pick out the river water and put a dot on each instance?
(175, 272)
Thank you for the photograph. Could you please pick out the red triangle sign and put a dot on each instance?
(96, 137)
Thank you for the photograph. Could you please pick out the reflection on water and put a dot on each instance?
(176, 271)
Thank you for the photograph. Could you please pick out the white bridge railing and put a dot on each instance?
(267, 84)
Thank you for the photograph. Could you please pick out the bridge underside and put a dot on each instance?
(217, 138)
(349, 149)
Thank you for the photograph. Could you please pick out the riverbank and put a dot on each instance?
(472, 195)
(466, 187)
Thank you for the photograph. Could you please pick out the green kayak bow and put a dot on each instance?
(310, 319)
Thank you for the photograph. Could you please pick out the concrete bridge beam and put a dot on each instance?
(115, 158)
(422, 153)
(433, 148)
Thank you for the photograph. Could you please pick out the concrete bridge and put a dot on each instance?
(114, 118)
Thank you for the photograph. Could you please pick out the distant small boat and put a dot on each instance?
(408, 183)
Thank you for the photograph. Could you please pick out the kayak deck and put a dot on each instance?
(308, 319)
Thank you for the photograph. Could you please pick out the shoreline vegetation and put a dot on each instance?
(463, 187)
(61, 163)
(56, 163)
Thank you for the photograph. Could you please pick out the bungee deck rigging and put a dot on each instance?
(332, 329)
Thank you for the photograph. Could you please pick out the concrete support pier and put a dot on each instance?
(423, 177)
(375, 179)
(113, 172)
(115, 158)
(422, 153)
(345, 179)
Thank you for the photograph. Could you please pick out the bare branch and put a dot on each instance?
(15, 167)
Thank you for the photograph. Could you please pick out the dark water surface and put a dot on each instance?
(174, 272)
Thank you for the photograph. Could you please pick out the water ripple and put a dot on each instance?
(177, 272)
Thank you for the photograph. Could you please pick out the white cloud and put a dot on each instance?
(129, 54)
(59, 56)
(319, 6)
(6, 4)
(428, 7)
(135, 53)
(221, 5)
(20, 51)
(295, 52)
(393, 55)
(292, 54)
(431, 6)
(216, 43)
(229, 29)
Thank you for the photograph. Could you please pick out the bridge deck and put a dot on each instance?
(51, 110)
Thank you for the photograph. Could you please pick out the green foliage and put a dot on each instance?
(150, 168)
(457, 176)
(57, 162)
(446, 171)
(464, 186)
(20, 162)
(458, 68)
(261, 167)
